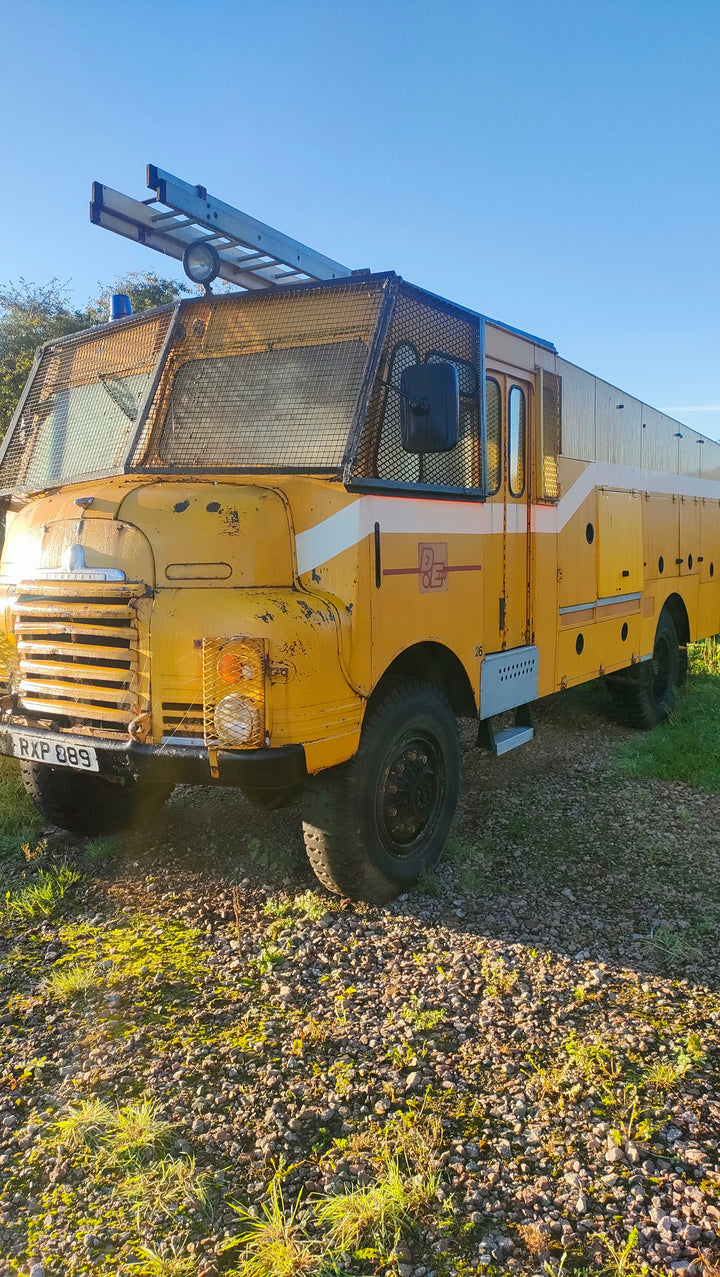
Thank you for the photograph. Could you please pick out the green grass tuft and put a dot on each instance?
(41, 898)
(127, 1135)
(378, 1212)
(100, 849)
(687, 747)
(276, 1244)
(68, 980)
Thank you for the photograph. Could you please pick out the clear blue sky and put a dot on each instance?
(552, 163)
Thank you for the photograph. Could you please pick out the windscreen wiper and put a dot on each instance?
(117, 396)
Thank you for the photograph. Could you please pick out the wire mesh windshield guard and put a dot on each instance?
(267, 381)
(79, 412)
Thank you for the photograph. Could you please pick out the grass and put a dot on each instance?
(704, 658)
(622, 1262)
(67, 981)
(98, 850)
(41, 898)
(309, 905)
(687, 747)
(168, 1186)
(20, 822)
(671, 947)
(169, 1262)
(379, 1211)
(428, 883)
(420, 1019)
(125, 1135)
(276, 1244)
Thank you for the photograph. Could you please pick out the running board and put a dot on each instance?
(506, 738)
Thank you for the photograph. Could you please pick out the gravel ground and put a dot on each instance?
(530, 1040)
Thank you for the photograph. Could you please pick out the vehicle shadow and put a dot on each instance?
(555, 847)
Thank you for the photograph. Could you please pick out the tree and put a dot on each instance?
(31, 314)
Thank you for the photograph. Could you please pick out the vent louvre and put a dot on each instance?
(182, 719)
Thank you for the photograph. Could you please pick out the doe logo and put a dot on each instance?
(432, 566)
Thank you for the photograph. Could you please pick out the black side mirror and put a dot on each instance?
(430, 407)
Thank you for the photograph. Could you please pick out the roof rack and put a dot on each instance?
(252, 255)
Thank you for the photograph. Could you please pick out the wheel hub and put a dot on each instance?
(411, 791)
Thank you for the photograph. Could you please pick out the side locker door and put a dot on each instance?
(515, 601)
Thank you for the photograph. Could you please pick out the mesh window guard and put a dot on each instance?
(551, 436)
(422, 332)
(81, 408)
(264, 381)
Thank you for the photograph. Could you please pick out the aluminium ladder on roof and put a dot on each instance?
(252, 255)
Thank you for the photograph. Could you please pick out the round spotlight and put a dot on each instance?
(237, 720)
(201, 263)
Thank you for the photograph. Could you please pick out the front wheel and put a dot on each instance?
(88, 804)
(373, 824)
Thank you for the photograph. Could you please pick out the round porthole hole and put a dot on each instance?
(624, 631)
(661, 565)
(689, 562)
(579, 644)
(589, 533)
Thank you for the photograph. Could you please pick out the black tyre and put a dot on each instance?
(372, 825)
(87, 804)
(645, 692)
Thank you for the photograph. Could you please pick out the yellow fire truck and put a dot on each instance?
(282, 538)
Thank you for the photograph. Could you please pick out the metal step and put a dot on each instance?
(503, 739)
(252, 255)
(510, 737)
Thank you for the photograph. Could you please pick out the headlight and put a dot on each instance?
(237, 720)
(201, 263)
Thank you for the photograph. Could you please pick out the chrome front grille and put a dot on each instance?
(77, 646)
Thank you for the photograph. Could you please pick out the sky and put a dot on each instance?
(550, 163)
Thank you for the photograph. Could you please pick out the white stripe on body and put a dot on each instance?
(421, 516)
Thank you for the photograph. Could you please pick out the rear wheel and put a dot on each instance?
(87, 804)
(372, 825)
(645, 692)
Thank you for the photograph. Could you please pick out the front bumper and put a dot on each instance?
(262, 769)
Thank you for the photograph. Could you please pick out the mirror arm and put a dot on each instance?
(418, 406)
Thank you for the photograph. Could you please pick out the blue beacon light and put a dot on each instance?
(120, 306)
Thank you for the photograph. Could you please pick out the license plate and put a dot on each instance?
(55, 750)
